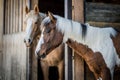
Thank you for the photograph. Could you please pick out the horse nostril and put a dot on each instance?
(29, 40)
(24, 41)
(43, 55)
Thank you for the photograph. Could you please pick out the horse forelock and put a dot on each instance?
(46, 21)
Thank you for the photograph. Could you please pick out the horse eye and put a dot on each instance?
(48, 31)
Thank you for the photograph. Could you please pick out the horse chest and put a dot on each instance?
(53, 58)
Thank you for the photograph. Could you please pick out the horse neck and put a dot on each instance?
(70, 29)
(78, 47)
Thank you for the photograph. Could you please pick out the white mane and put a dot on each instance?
(98, 39)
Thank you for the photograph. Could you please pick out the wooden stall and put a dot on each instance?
(19, 63)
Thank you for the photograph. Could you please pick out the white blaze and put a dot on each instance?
(41, 41)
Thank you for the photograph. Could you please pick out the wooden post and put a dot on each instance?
(78, 15)
(68, 51)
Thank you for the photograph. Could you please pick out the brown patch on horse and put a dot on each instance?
(116, 42)
(94, 60)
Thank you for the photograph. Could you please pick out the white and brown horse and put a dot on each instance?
(103, 42)
(33, 20)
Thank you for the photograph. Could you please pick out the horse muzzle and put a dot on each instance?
(41, 56)
(28, 42)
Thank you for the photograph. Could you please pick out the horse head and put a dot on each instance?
(32, 21)
(50, 36)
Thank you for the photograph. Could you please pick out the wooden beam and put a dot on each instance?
(68, 51)
(78, 15)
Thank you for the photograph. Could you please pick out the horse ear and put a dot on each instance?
(26, 10)
(53, 19)
(36, 9)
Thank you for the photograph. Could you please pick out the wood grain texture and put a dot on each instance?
(78, 15)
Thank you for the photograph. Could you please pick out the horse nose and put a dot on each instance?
(29, 40)
(24, 41)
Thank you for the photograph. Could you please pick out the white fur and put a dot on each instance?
(41, 41)
(99, 78)
(98, 39)
(28, 29)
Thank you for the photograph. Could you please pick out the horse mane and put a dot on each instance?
(76, 30)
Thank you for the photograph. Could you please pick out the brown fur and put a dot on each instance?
(94, 60)
(116, 41)
(54, 58)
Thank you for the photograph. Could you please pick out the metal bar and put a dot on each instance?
(68, 53)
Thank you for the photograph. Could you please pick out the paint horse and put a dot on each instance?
(57, 30)
(55, 58)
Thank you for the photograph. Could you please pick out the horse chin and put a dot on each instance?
(29, 45)
(42, 56)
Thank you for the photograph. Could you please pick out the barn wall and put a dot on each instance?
(14, 58)
(103, 15)
(1, 32)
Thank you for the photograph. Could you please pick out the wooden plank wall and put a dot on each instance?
(103, 15)
(1, 33)
(14, 61)
(14, 58)
(14, 15)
